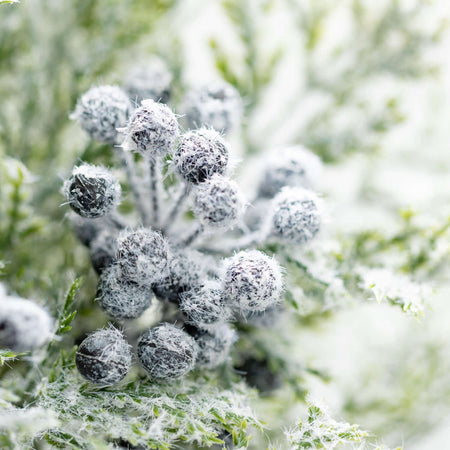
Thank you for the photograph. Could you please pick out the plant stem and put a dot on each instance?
(175, 210)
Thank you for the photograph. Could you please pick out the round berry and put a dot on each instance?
(217, 105)
(121, 298)
(24, 325)
(92, 191)
(218, 202)
(104, 357)
(103, 250)
(152, 129)
(143, 256)
(201, 154)
(253, 281)
(101, 110)
(296, 216)
(167, 352)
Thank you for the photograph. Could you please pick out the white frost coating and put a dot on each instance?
(293, 166)
(92, 191)
(152, 129)
(217, 105)
(167, 352)
(296, 215)
(218, 203)
(24, 325)
(253, 282)
(101, 110)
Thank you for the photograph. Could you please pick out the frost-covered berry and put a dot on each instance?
(167, 352)
(103, 250)
(218, 202)
(151, 80)
(104, 357)
(24, 325)
(252, 282)
(121, 298)
(205, 307)
(201, 154)
(143, 256)
(101, 110)
(185, 272)
(92, 191)
(217, 105)
(214, 346)
(296, 216)
(152, 129)
(294, 166)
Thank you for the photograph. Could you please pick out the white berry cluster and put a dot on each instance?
(178, 251)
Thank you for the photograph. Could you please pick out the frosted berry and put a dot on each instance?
(103, 250)
(218, 202)
(101, 110)
(152, 129)
(143, 256)
(92, 191)
(252, 282)
(296, 215)
(201, 154)
(167, 352)
(217, 105)
(121, 298)
(104, 357)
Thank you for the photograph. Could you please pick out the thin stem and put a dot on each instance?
(175, 210)
(195, 234)
(154, 187)
(133, 180)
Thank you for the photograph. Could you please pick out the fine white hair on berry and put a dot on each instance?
(101, 110)
(121, 298)
(253, 281)
(296, 215)
(92, 191)
(214, 345)
(218, 202)
(103, 250)
(143, 256)
(205, 307)
(150, 80)
(104, 357)
(167, 352)
(292, 166)
(217, 105)
(201, 154)
(152, 129)
(186, 272)
(24, 325)
(267, 318)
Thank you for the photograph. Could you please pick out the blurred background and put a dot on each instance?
(364, 84)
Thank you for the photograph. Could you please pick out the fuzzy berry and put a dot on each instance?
(104, 357)
(101, 110)
(252, 282)
(201, 154)
(92, 191)
(167, 352)
(121, 298)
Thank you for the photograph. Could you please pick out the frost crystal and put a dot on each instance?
(217, 105)
(24, 325)
(121, 298)
(149, 81)
(167, 352)
(294, 166)
(296, 216)
(143, 256)
(201, 154)
(218, 202)
(252, 282)
(104, 357)
(101, 110)
(92, 191)
(152, 129)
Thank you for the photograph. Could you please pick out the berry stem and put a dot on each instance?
(128, 164)
(194, 235)
(175, 210)
(155, 188)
